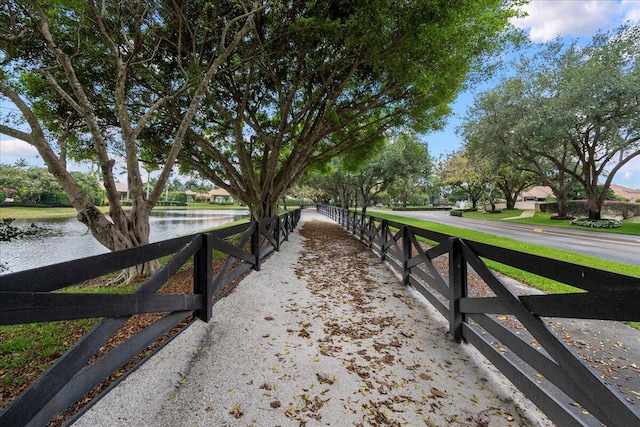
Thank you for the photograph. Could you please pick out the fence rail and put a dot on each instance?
(29, 296)
(607, 295)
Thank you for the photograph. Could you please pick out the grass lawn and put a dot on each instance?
(35, 213)
(542, 283)
(629, 226)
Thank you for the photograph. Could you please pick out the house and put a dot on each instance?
(540, 193)
(122, 189)
(220, 195)
(628, 193)
(217, 195)
(536, 194)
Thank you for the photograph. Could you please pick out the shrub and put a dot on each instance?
(560, 218)
(455, 212)
(179, 197)
(600, 223)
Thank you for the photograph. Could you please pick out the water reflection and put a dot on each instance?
(66, 239)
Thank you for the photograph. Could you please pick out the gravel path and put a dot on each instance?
(324, 334)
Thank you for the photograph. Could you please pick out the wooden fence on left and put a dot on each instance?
(33, 296)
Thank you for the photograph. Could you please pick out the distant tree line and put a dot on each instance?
(36, 186)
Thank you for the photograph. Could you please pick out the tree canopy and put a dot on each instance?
(91, 77)
(247, 93)
(571, 115)
(313, 80)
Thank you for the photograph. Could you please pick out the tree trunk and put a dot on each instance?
(343, 194)
(509, 200)
(594, 205)
(122, 232)
(594, 209)
(265, 208)
(561, 197)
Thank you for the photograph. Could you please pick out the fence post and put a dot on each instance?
(370, 227)
(287, 224)
(203, 278)
(276, 233)
(354, 222)
(406, 255)
(255, 245)
(457, 287)
(384, 236)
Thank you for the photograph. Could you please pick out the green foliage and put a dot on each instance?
(179, 197)
(577, 192)
(468, 179)
(455, 212)
(33, 185)
(570, 116)
(327, 79)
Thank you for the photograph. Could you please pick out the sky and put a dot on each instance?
(546, 20)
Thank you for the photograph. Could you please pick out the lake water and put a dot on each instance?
(67, 239)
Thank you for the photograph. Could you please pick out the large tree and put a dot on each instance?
(315, 79)
(597, 99)
(507, 125)
(413, 167)
(97, 74)
(464, 176)
(571, 115)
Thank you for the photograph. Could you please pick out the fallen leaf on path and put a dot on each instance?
(438, 393)
(324, 380)
(236, 411)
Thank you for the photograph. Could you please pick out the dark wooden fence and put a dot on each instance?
(30, 296)
(551, 375)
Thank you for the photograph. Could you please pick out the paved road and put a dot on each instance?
(615, 247)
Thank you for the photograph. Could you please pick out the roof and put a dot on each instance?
(120, 187)
(539, 192)
(626, 192)
(211, 193)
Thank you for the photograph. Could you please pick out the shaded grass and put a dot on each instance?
(27, 350)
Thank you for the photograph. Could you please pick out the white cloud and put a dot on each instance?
(629, 174)
(548, 19)
(14, 149)
(631, 10)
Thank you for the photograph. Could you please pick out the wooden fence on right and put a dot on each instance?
(548, 372)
